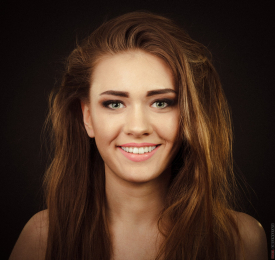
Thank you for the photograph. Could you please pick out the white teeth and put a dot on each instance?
(138, 150)
(135, 150)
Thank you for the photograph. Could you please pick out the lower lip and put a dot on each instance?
(138, 157)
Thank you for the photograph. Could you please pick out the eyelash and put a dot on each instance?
(169, 102)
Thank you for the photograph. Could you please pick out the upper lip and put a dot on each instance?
(137, 144)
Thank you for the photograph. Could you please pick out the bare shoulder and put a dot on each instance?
(32, 241)
(252, 235)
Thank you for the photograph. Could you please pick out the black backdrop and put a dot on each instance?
(37, 37)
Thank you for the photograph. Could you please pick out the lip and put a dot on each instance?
(138, 157)
(137, 145)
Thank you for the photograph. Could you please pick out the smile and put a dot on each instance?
(137, 153)
(139, 150)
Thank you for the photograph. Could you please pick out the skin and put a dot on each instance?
(135, 191)
(137, 120)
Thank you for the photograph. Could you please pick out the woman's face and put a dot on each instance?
(133, 110)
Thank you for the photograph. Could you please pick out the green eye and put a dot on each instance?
(115, 105)
(160, 104)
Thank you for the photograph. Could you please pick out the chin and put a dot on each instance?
(139, 177)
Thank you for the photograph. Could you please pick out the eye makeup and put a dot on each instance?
(169, 102)
(107, 103)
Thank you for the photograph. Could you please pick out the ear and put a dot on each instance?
(87, 119)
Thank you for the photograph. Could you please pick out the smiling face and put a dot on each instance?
(133, 115)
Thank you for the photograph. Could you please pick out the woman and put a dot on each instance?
(142, 165)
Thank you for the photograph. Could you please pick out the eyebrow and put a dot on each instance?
(149, 93)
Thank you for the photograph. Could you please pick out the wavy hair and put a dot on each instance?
(200, 197)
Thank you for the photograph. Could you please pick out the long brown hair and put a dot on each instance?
(201, 191)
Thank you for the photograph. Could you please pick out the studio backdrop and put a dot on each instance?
(37, 37)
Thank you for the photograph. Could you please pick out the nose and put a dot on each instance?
(137, 122)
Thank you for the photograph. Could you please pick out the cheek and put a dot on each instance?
(168, 127)
(105, 126)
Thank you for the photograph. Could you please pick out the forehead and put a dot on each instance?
(132, 71)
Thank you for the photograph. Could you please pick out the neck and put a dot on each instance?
(135, 204)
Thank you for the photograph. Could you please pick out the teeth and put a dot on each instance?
(139, 150)
(135, 150)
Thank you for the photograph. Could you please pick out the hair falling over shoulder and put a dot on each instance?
(201, 193)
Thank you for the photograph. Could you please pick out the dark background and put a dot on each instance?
(36, 39)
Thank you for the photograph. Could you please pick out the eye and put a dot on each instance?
(113, 104)
(163, 103)
(160, 104)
